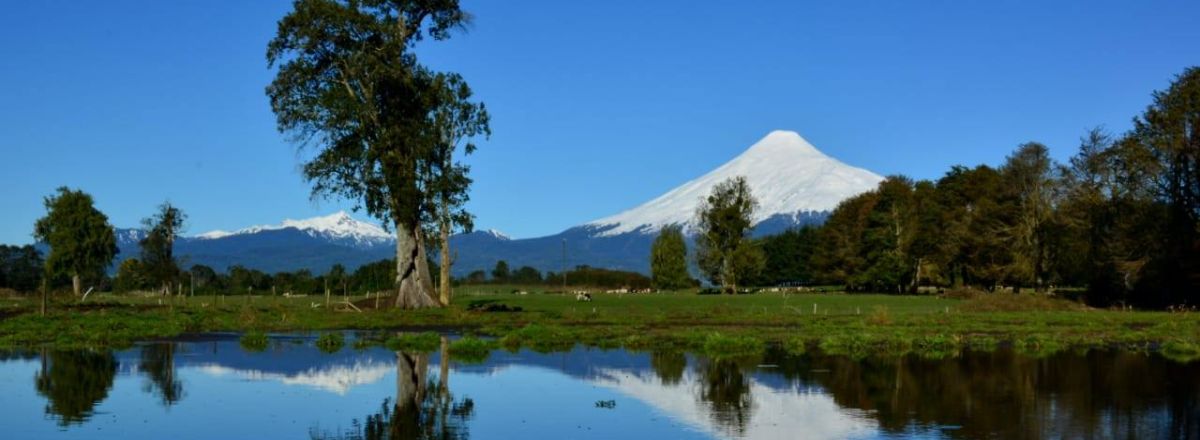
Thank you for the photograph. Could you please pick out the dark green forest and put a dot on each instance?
(1119, 218)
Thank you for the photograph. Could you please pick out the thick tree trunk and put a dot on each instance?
(76, 284)
(444, 241)
(413, 285)
(411, 369)
(410, 379)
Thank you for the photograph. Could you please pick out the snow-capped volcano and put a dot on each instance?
(786, 174)
(339, 226)
(795, 184)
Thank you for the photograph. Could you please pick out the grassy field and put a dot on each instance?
(857, 324)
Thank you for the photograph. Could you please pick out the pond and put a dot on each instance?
(208, 386)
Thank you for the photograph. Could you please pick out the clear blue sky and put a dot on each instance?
(597, 106)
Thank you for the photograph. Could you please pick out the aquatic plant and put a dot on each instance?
(331, 342)
(254, 341)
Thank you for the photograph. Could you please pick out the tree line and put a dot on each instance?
(1120, 219)
(582, 275)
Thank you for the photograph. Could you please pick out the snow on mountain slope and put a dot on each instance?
(786, 174)
(337, 226)
(497, 234)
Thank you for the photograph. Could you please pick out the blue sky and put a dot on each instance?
(597, 106)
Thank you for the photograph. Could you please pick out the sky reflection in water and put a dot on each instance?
(209, 387)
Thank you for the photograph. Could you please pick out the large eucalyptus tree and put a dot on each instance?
(350, 86)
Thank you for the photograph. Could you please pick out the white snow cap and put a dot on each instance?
(786, 174)
(338, 225)
(496, 233)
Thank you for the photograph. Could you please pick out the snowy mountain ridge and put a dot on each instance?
(794, 183)
(786, 173)
(337, 226)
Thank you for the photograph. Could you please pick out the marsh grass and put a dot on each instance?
(1021, 302)
(879, 316)
(424, 342)
(718, 345)
(1181, 350)
(471, 350)
(668, 321)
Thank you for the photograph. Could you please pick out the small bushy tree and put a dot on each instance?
(82, 242)
(158, 248)
(668, 259)
(724, 251)
(500, 272)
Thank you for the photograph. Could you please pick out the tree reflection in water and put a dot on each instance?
(74, 382)
(158, 362)
(1004, 394)
(726, 390)
(423, 408)
(669, 366)
(1100, 394)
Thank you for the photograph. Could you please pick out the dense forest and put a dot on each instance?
(1119, 218)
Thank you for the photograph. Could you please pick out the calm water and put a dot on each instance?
(209, 387)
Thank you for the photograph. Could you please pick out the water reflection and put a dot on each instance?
(669, 365)
(422, 409)
(158, 362)
(74, 382)
(726, 389)
(1097, 395)
(381, 394)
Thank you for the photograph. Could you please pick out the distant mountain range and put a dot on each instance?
(795, 184)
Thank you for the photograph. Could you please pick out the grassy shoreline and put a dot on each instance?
(856, 325)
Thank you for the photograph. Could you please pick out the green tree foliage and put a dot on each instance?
(337, 277)
(839, 254)
(500, 272)
(668, 259)
(349, 84)
(1120, 218)
(1169, 131)
(788, 257)
(604, 278)
(158, 247)
(457, 121)
(874, 241)
(724, 252)
(130, 276)
(246, 281)
(205, 280)
(476, 277)
(373, 277)
(300, 282)
(1029, 175)
(21, 268)
(526, 275)
(82, 242)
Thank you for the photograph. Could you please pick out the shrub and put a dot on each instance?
(331, 342)
(879, 316)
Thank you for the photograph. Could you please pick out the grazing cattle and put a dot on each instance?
(583, 296)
